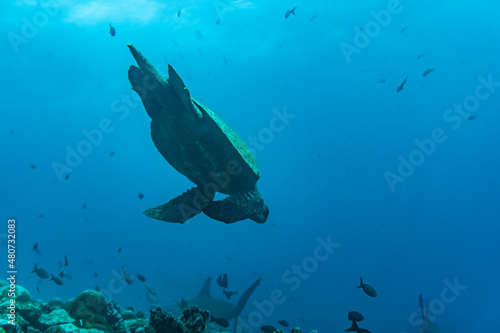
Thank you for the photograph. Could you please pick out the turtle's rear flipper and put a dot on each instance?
(180, 209)
(235, 208)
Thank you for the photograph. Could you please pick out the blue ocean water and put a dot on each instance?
(402, 185)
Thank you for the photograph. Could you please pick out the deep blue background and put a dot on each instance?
(322, 175)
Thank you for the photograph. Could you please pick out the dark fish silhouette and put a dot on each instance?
(112, 153)
(472, 117)
(427, 325)
(404, 29)
(290, 11)
(268, 329)
(420, 56)
(427, 72)
(128, 278)
(229, 294)
(179, 13)
(33, 165)
(36, 249)
(141, 278)
(354, 328)
(355, 316)
(381, 81)
(283, 323)
(66, 261)
(112, 30)
(42, 273)
(84, 205)
(369, 290)
(140, 195)
(220, 321)
(218, 21)
(313, 17)
(401, 86)
(67, 176)
(222, 281)
(56, 280)
(119, 249)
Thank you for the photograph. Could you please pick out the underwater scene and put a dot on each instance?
(249, 166)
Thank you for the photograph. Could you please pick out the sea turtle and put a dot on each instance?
(199, 145)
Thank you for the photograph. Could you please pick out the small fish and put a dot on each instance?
(355, 316)
(283, 323)
(313, 17)
(33, 165)
(84, 205)
(354, 328)
(120, 249)
(40, 216)
(67, 176)
(61, 271)
(151, 291)
(36, 249)
(427, 72)
(401, 86)
(151, 298)
(128, 278)
(140, 195)
(141, 278)
(222, 281)
(112, 30)
(369, 290)
(268, 329)
(381, 81)
(220, 321)
(472, 117)
(112, 153)
(198, 33)
(229, 294)
(96, 288)
(179, 13)
(57, 280)
(95, 274)
(225, 59)
(218, 21)
(420, 56)
(66, 261)
(404, 29)
(42, 273)
(290, 11)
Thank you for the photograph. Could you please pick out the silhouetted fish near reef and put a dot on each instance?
(354, 328)
(42, 273)
(112, 30)
(56, 280)
(220, 321)
(128, 278)
(229, 294)
(401, 86)
(283, 323)
(427, 72)
(36, 249)
(268, 329)
(369, 290)
(355, 315)
(141, 278)
(222, 281)
(290, 12)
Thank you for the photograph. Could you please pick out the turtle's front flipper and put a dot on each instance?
(238, 207)
(180, 209)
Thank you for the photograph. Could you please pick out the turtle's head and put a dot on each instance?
(260, 211)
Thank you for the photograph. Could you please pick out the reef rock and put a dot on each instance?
(56, 317)
(89, 306)
(193, 320)
(65, 328)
